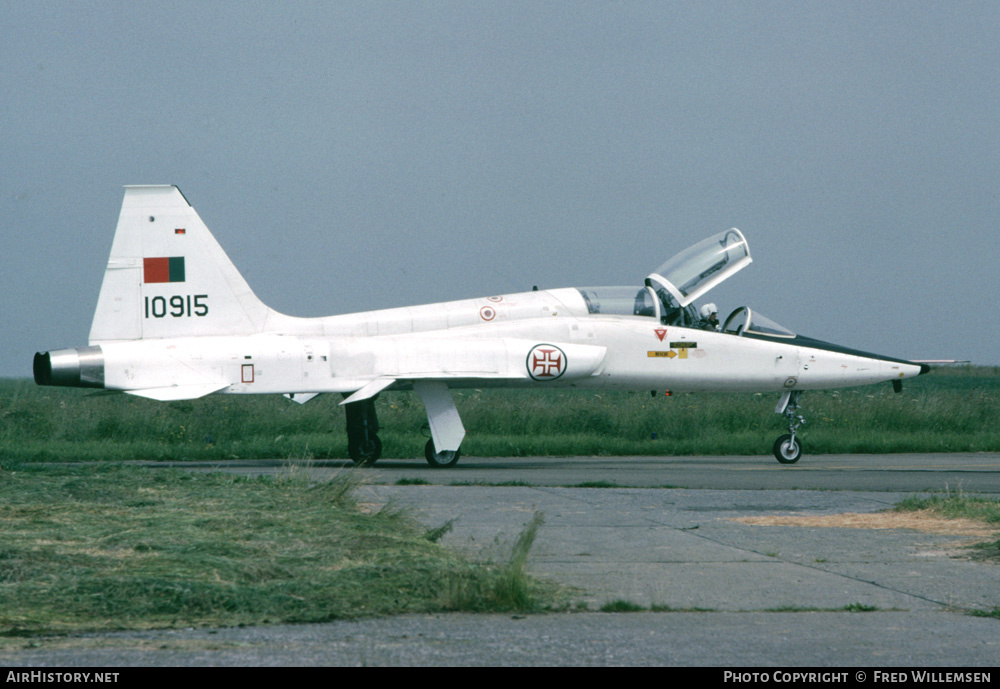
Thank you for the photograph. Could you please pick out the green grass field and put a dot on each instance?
(100, 547)
(948, 410)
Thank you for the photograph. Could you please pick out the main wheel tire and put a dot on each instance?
(365, 453)
(787, 449)
(448, 458)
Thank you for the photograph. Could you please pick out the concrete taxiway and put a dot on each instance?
(685, 549)
(738, 590)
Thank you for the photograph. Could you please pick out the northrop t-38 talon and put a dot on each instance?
(175, 320)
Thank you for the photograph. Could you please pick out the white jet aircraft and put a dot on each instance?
(175, 320)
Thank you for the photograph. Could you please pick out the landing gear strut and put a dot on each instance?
(788, 448)
(363, 444)
(444, 422)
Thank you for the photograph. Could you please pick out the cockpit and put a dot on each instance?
(670, 291)
(638, 301)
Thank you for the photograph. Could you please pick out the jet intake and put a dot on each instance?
(75, 368)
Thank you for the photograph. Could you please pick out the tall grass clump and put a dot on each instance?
(509, 587)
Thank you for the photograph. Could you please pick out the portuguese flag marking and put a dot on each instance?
(166, 269)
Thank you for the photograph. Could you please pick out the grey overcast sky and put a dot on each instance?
(359, 155)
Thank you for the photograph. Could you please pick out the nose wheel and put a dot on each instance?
(787, 448)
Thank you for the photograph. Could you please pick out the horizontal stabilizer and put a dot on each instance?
(178, 392)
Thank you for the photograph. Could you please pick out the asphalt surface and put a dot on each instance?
(968, 472)
(737, 594)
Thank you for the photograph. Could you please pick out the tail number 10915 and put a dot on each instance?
(177, 306)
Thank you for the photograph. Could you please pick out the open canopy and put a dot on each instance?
(696, 270)
(670, 291)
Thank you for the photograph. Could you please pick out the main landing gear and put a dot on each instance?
(788, 448)
(363, 444)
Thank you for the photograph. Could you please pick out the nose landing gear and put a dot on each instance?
(788, 448)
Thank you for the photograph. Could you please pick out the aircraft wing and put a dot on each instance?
(373, 388)
(430, 365)
(372, 365)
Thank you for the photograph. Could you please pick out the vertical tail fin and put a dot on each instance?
(168, 277)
